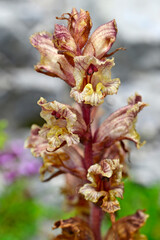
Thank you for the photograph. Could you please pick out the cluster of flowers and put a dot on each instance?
(17, 162)
(72, 142)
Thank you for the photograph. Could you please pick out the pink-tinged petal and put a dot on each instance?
(119, 125)
(128, 227)
(64, 41)
(52, 63)
(36, 143)
(101, 40)
(80, 26)
(93, 80)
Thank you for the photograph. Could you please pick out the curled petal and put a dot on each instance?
(63, 124)
(105, 185)
(110, 205)
(120, 125)
(101, 40)
(52, 63)
(93, 80)
(104, 169)
(90, 193)
(118, 150)
(64, 41)
(128, 227)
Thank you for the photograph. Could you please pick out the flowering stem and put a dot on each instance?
(86, 109)
(95, 221)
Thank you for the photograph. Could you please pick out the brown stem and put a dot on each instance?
(95, 221)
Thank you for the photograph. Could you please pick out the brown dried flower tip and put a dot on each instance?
(74, 229)
(127, 228)
(105, 185)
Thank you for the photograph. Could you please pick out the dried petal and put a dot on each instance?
(101, 40)
(74, 229)
(52, 63)
(128, 227)
(118, 126)
(93, 80)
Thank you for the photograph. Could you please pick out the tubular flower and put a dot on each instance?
(120, 125)
(64, 124)
(93, 80)
(74, 229)
(128, 227)
(105, 185)
(79, 61)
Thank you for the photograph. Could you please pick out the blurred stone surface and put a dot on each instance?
(138, 67)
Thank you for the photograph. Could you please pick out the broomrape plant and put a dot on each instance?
(72, 142)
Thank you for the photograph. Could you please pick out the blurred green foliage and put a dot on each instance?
(21, 214)
(140, 197)
(3, 135)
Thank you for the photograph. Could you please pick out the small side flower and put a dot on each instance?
(64, 124)
(105, 185)
(120, 125)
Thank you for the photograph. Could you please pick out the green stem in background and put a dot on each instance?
(95, 221)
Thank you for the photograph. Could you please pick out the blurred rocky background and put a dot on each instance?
(138, 68)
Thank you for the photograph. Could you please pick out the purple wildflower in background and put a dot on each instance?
(16, 162)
